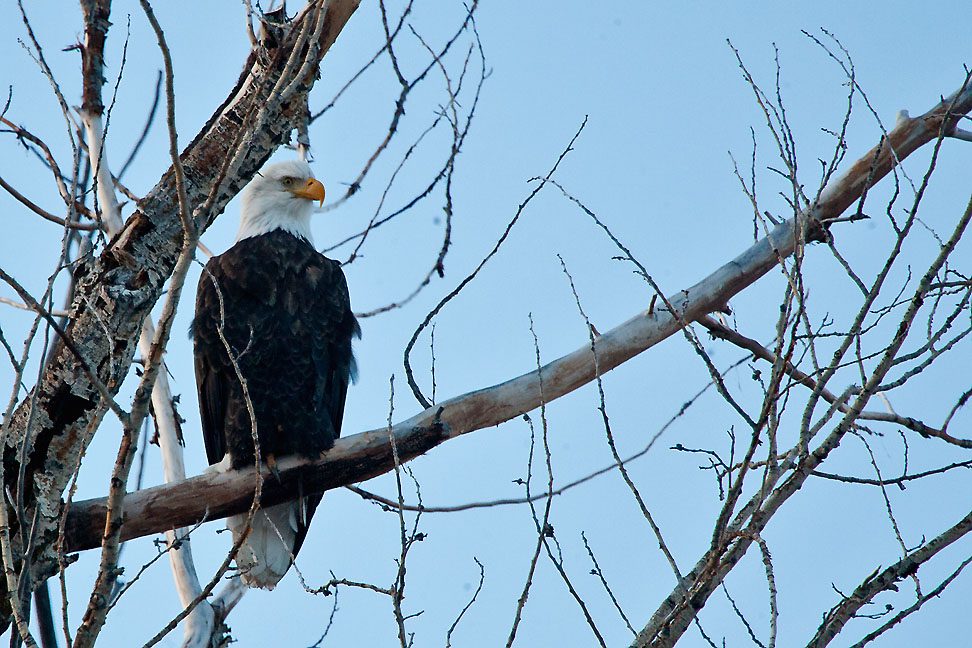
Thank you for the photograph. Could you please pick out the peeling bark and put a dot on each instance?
(216, 495)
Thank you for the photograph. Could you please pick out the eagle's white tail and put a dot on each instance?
(268, 551)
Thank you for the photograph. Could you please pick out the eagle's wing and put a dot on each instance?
(287, 319)
(211, 385)
(332, 326)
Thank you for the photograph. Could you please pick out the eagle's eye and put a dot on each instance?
(287, 181)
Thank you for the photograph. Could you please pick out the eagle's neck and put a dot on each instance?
(261, 215)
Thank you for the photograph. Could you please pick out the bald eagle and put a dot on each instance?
(284, 312)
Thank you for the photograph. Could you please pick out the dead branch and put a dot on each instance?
(214, 495)
(881, 581)
(914, 607)
(759, 351)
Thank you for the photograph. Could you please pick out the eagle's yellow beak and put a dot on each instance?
(312, 190)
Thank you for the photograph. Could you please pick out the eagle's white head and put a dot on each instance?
(280, 197)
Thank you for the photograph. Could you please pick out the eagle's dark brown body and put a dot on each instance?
(284, 311)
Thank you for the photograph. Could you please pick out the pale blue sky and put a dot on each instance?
(666, 103)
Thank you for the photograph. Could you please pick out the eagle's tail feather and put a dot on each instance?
(267, 553)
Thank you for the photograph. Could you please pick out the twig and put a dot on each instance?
(771, 589)
(596, 571)
(23, 133)
(185, 213)
(21, 306)
(407, 87)
(760, 352)
(200, 623)
(535, 556)
(435, 311)
(145, 131)
(609, 435)
(45, 214)
(469, 604)
(398, 589)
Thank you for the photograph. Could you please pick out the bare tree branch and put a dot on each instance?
(881, 581)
